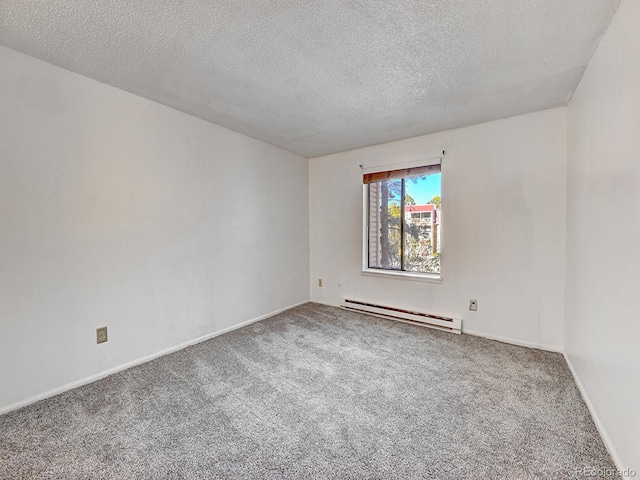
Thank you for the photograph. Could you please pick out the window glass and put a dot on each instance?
(404, 227)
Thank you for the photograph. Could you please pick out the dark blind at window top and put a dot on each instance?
(402, 173)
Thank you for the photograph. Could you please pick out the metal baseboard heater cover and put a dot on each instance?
(417, 318)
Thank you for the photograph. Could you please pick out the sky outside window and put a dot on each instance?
(424, 189)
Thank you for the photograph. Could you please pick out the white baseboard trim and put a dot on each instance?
(133, 363)
(498, 338)
(325, 303)
(594, 415)
(512, 341)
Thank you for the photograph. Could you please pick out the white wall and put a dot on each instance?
(603, 233)
(121, 212)
(503, 187)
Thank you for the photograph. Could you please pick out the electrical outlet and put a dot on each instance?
(473, 305)
(319, 282)
(101, 335)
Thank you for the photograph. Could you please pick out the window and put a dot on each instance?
(403, 220)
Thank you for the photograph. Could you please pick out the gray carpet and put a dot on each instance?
(316, 392)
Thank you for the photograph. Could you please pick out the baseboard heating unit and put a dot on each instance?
(392, 313)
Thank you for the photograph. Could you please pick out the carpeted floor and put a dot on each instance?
(316, 392)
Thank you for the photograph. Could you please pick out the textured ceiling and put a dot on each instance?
(322, 76)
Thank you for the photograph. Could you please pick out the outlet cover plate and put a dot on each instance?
(101, 335)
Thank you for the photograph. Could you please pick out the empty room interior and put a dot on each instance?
(299, 239)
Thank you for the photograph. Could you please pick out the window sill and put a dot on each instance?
(420, 277)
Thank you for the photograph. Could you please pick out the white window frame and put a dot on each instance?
(395, 274)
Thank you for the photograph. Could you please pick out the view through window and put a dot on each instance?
(404, 220)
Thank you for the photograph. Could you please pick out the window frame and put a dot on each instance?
(396, 274)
